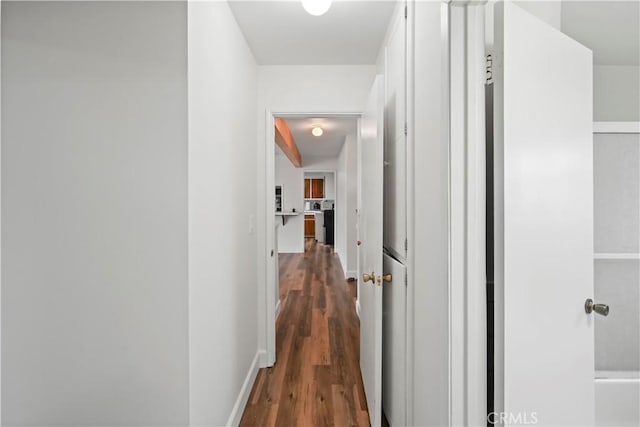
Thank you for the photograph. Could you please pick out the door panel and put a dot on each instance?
(395, 172)
(307, 188)
(394, 343)
(309, 226)
(370, 250)
(544, 221)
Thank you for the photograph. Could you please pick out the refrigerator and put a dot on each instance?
(329, 227)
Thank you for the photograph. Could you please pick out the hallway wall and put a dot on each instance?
(346, 234)
(94, 218)
(291, 178)
(615, 93)
(223, 288)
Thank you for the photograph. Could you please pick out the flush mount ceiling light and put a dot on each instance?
(316, 7)
(316, 131)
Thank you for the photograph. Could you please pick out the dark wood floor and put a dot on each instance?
(316, 379)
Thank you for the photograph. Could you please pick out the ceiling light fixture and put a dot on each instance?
(316, 7)
(316, 131)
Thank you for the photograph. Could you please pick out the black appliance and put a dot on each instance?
(328, 227)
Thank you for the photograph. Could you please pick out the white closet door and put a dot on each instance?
(544, 222)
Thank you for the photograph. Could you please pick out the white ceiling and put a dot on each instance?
(318, 147)
(610, 28)
(282, 33)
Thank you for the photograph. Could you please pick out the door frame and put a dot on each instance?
(268, 285)
(467, 204)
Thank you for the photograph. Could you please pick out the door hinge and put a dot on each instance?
(405, 11)
(406, 279)
(489, 68)
(406, 129)
(406, 245)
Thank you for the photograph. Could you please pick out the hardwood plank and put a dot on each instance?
(292, 398)
(304, 322)
(345, 413)
(323, 397)
(321, 352)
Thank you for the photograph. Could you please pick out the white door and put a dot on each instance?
(370, 250)
(544, 222)
(394, 396)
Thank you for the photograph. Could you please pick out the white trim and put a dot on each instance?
(616, 127)
(616, 255)
(278, 306)
(352, 273)
(467, 281)
(457, 213)
(410, 212)
(446, 142)
(358, 308)
(270, 244)
(245, 391)
(475, 262)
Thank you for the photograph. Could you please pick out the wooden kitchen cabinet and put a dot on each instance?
(317, 188)
(314, 188)
(307, 188)
(310, 226)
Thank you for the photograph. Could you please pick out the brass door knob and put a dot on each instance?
(368, 277)
(387, 277)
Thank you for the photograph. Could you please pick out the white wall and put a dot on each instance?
(94, 218)
(290, 235)
(346, 201)
(222, 215)
(298, 89)
(548, 11)
(615, 93)
(341, 214)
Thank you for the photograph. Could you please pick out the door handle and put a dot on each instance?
(602, 309)
(368, 277)
(387, 278)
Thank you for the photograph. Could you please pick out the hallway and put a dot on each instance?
(316, 379)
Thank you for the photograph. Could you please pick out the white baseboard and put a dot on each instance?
(245, 391)
(263, 361)
(278, 308)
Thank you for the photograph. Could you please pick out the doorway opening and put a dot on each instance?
(311, 182)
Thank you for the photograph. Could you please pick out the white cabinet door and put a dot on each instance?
(395, 142)
(544, 222)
